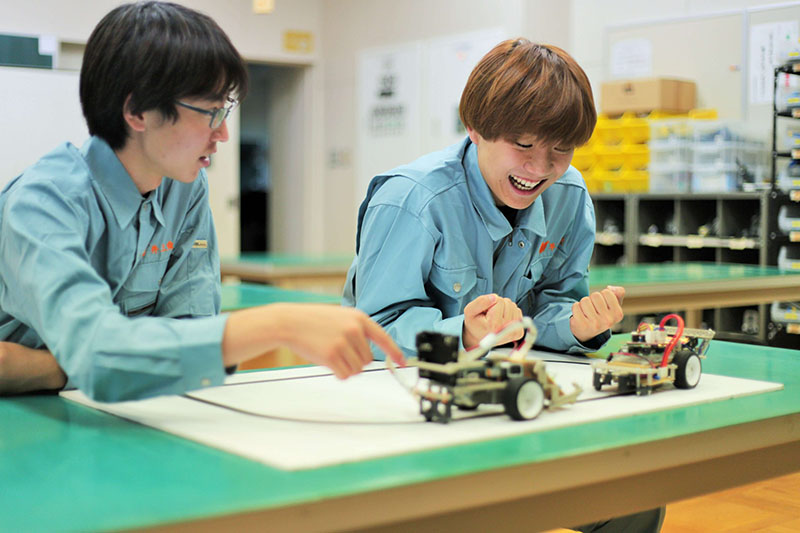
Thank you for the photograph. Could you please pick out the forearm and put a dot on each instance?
(251, 332)
(24, 370)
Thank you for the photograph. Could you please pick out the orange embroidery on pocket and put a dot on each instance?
(154, 249)
(543, 247)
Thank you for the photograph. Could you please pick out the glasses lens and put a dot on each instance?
(219, 115)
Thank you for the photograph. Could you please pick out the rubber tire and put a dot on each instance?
(523, 389)
(689, 370)
(597, 381)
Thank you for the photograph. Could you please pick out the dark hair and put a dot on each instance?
(158, 53)
(522, 88)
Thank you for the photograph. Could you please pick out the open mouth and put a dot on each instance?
(525, 185)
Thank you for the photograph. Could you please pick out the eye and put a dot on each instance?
(562, 150)
(524, 145)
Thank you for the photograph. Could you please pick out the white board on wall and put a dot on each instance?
(449, 62)
(408, 99)
(41, 110)
(389, 88)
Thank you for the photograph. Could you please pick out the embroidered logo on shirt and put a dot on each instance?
(547, 244)
(155, 249)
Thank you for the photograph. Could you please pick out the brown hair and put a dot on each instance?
(523, 88)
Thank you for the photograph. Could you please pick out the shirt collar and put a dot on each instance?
(530, 220)
(115, 182)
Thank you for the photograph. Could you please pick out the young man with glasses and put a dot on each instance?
(108, 254)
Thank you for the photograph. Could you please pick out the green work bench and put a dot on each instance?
(321, 273)
(692, 287)
(243, 295)
(66, 467)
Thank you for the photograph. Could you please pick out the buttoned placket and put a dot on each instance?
(146, 229)
(508, 261)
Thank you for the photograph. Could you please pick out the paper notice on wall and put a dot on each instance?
(770, 45)
(632, 58)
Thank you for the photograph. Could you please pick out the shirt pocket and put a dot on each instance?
(140, 291)
(456, 287)
(527, 282)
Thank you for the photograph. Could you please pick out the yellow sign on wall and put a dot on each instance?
(263, 7)
(298, 41)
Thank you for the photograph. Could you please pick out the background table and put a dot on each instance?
(692, 287)
(64, 467)
(243, 295)
(320, 273)
(237, 296)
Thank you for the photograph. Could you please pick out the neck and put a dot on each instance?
(132, 158)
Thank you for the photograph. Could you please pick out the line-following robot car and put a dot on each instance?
(655, 356)
(466, 379)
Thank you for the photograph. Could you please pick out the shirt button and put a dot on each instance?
(510, 241)
(205, 382)
(521, 244)
(457, 287)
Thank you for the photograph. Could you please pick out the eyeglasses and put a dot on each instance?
(217, 114)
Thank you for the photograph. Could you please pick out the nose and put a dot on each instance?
(221, 133)
(539, 162)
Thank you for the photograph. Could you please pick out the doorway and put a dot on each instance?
(271, 130)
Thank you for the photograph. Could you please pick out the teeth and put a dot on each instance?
(523, 185)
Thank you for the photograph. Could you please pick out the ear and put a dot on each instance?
(474, 136)
(134, 121)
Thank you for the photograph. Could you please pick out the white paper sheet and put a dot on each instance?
(305, 418)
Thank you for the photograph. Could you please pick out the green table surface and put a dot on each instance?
(291, 260)
(66, 467)
(242, 295)
(666, 273)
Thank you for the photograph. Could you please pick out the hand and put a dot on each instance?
(338, 338)
(596, 313)
(328, 335)
(24, 370)
(487, 314)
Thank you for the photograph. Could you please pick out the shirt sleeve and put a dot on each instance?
(394, 262)
(560, 287)
(48, 284)
(191, 284)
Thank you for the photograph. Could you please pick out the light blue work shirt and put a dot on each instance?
(101, 275)
(431, 239)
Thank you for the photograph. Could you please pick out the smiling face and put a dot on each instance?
(518, 172)
(159, 147)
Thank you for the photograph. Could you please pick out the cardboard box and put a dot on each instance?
(648, 94)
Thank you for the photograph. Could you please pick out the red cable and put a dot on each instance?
(675, 338)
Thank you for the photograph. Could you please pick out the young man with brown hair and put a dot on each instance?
(468, 239)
